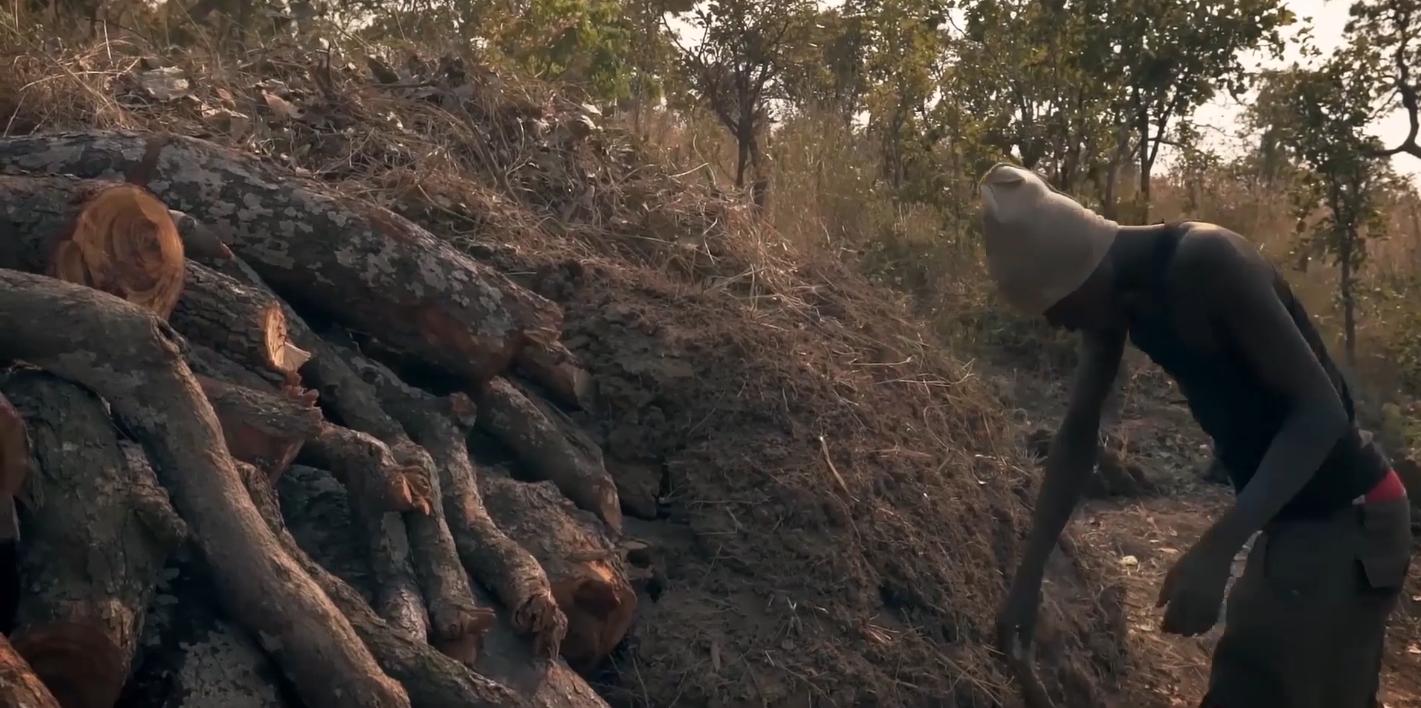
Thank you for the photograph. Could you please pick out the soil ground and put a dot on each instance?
(1144, 536)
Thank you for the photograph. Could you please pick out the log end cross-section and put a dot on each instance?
(124, 242)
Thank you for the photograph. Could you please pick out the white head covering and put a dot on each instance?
(1041, 244)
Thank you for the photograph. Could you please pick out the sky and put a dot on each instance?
(1222, 118)
(1327, 19)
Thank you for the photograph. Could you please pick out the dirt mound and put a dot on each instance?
(834, 506)
(836, 524)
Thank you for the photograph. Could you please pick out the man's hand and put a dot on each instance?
(1016, 623)
(1194, 589)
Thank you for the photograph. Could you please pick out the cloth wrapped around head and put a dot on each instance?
(1041, 244)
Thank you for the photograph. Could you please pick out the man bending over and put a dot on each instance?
(1305, 624)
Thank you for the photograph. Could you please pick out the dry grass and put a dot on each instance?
(907, 566)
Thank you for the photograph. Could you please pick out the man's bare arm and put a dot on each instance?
(1265, 333)
(1073, 452)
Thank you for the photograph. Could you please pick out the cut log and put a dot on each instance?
(97, 533)
(348, 260)
(348, 400)
(264, 429)
(586, 570)
(551, 447)
(318, 513)
(209, 363)
(243, 323)
(110, 236)
(194, 658)
(509, 659)
(489, 554)
(456, 621)
(369, 469)
(433, 679)
(19, 687)
(133, 361)
(556, 369)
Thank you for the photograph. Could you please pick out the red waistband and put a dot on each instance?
(1386, 490)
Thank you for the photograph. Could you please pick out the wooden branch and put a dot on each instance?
(19, 687)
(318, 512)
(556, 369)
(213, 365)
(586, 570)
(348, 400)
(456, 620)
(551, 447)
(262, 428)
(97, 535)
(369, 469)
(133, 361)
(433, 679)
(490, 555)
(261, 425)
(356, 263)
(110, 236)
(243, 323)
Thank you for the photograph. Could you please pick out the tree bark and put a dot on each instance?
(97, 533)
(551, 447)
(584, 567)
(242, 322)
(456, 620)
(194, 658)
(376, 480)
(433, 679)
(19, 687)
(133, 361)
(262, 428)
(556, 369)
(211, 364)
(110, 236)
(353, 262)
(318, 512)
(349, 401)
(489, 554)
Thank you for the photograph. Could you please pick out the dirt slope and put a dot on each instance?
(833, 504)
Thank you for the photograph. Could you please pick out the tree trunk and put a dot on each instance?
(362, 265)
(19, 687)
(551, 447)
(349, 401)
(133, 361)
(433, 679)
(110, 236)
(490, 555)
(585, 568)
(243, 323)
(97, 533)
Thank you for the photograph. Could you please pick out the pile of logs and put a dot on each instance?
(182, 326)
